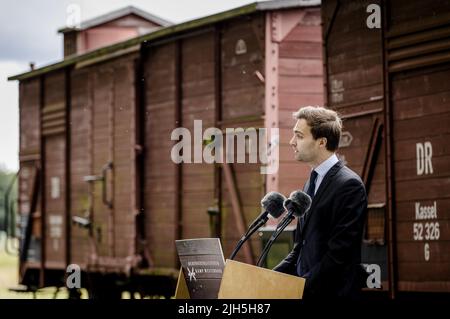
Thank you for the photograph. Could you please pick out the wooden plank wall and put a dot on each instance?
(29, 155)
(29, 95)
(55, 178)
(80, 166)
(354, 88)
(113, 140)
(242, 106)
(103, 130)
(355, 84)
(124, 153)
(102, 153)
(159, 196)
(198, 103)
(300, 78)
(417, 100)
(419, 65)
(416, 35)
(421, 116)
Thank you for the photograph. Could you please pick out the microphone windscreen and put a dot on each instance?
(273, 204)
(299, 202)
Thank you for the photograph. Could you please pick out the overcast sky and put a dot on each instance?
(28, 32)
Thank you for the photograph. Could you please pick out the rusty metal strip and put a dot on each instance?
(440, 20)
(53, 108)
(54, 116)
(109, 184)
(389, 158)
(92, 79)
(178, 122)
(217, 120)
(141, 153)
(420, 49)
(372, 153)
(42, 180)
(53, 131)
(53, 123)
(420, 62)
(417, 38)
(68, 74)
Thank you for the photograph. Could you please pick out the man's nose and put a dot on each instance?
(292, 141)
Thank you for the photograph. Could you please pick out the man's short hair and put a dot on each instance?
(323, 122)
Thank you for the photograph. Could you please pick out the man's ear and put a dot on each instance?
(323, 142)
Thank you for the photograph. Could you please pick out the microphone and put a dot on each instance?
(272, 204)
(296, 205)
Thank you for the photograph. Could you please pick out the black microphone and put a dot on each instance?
(272, 204)
(296, 205)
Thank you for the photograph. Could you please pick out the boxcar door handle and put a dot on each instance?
(105, 169)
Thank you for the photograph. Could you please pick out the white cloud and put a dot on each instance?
(29, 28)
(28, 32)
(9, 115)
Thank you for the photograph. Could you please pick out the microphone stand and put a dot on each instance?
(272, 239)
(254, 227)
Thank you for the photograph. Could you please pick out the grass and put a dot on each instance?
(8, 272)
(9, 278)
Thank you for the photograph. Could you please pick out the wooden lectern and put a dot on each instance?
(244, 281)
(181, 292)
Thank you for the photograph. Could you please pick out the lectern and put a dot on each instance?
(244, 281)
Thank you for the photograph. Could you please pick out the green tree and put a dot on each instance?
(6, 177)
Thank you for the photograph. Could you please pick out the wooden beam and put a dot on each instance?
(237, 210)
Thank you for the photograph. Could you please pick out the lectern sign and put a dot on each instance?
(202, 263)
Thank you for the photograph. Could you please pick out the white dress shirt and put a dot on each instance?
(323, 169)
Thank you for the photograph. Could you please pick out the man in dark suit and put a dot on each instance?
(327, 246)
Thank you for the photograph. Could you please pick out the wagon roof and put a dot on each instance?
(133, 44)
(115, 15)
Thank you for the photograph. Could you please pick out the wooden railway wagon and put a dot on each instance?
(390, 82)
(97, 184)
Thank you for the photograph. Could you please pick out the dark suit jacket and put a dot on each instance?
(328, 247)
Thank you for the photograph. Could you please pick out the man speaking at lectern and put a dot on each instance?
(327, 245)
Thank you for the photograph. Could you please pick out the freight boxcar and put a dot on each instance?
(387, 65)
(98, 186)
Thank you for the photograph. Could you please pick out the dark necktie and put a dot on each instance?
(310, 192)
(312, 184)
